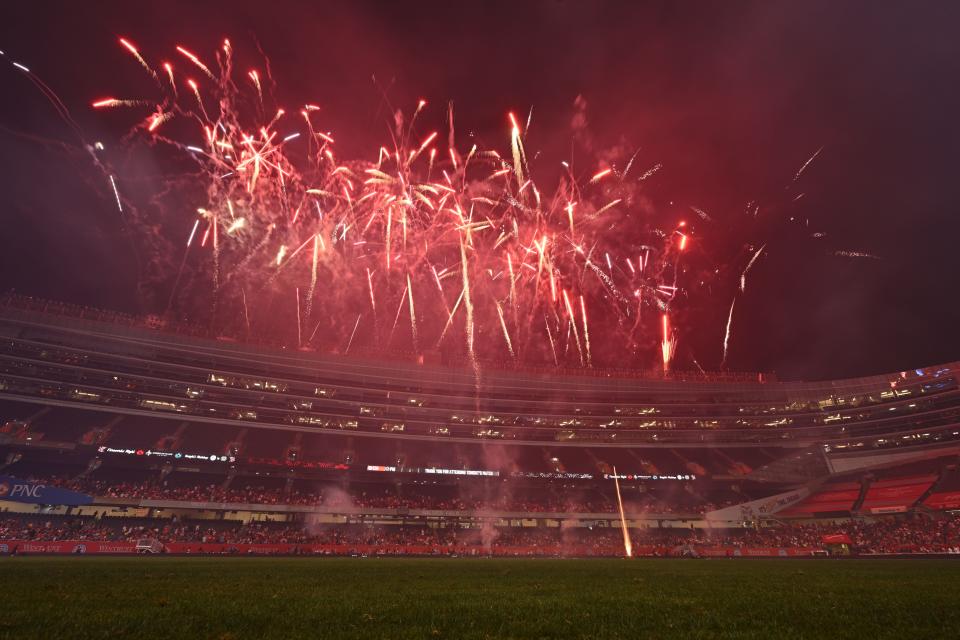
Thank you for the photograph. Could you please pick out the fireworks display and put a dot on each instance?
(429, 245)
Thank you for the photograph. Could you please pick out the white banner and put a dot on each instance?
(756, 509)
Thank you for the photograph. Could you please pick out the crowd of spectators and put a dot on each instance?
(200, 492)
(883, 535)
(245, 491)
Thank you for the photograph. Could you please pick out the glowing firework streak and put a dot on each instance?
(855, 254)
(299, 339)
(426, 142)
(600, 176)
(513, 284)
(573, 324)
(506, 334)
(726, 336)
(193, 232)
(156, 121)
(627, 545)
(313, 273)
(373, 302)
(396, 318)
(517, 148)
(389, 226)
(255, 77)
(413, 314)
(236, 225)
(468, 304)
(246, 312)
(352, 333)
(609, 205)
(668, 344)
(169, 69)
(807, 164)
(586, 331)
(195, 60)
(116, 194)
(136, 54)
(450, 318)
(553, 346)
(743, 276)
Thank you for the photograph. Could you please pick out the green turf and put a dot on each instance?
(477, 598)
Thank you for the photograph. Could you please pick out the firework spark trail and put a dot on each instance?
(668, 344)
(413, 314)
(195, 60)
(586, 331)
(396, 319)
(726, 335)
(627, 544)
(352, 333)
(600, 176)
(116, 194)
(609, 205)
(246, 313)
(110, 103)
(196, 93)
(703, 214)
(516, 147)
(136, 54)
(468, 304)
(513, 285)
(313, 275)
(743, 276)
(373, 301)
(806, 164)
(173, 83)
(607, 281)
(506, 334)
(553, 346)
(573, 324)
(299, 338)
(450, 315)
(255, 78)
(855, 254)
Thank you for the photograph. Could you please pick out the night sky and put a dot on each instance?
(732, 98)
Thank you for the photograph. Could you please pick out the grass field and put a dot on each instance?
(239, 598)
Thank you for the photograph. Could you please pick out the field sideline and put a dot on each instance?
(236, 598)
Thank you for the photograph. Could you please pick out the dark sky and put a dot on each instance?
(731, 97)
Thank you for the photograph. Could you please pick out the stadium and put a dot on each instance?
(183, 444)
(548, 319)
(124, 438)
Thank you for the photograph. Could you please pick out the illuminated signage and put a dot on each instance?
(172, 455)
(434, 471)
(632, 476)
(552, 475)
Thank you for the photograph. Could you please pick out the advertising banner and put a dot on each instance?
(89, 547)
(836, 538)
(18, 490)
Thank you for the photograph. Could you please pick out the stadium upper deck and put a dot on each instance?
(126, 367)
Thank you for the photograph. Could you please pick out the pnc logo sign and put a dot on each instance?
(21, 490)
